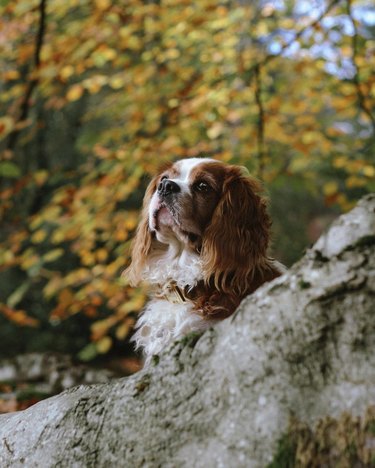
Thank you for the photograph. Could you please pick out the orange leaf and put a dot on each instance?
(74, 93)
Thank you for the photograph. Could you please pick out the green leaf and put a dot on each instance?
(9, 169)
(18, 294)
(88, 352)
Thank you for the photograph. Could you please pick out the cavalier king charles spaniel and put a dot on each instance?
(202, 247)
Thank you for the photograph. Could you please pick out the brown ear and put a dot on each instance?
(141, 245)
(234, 248)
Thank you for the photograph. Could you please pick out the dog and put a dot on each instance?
(201, 245)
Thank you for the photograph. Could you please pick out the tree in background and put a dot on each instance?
(97, 95)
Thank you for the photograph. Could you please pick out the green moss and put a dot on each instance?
(352, 450)
(142, 385)
(304, 284)
(364, 241)
(191, 339)
(320, 257)
(371, 427)
(155, 360)
(286, 453)
(346, 441)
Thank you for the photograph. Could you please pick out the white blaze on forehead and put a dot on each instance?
(186, 165)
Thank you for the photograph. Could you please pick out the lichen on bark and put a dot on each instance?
(344, 442)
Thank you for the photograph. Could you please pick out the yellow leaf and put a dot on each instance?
(353, 181)
(66, 72)
(11, 75)
(101, 327)
(29, 262)
(215, 131)
(53, 255)
(52, 287)
(87, 258)
(369, 171)
(287, 23)
(104, 344)
(330, 188)
(133, 305)
(299, 164)
(37, 220)
(66, 297)
(6, 256)
(116, 82)
(74, 93)
(346, 51)
(310, 137)
(340, 161)
(109, 53)
(133, 43)
(58, 236)
(51, 213)
(123, 330)
(172, 54)
(38, 236)
(6, 125)
(111, 269)
(121, 235)
(40, 177)
(261, 28)
(103, 4)
(101, 255)
(172, 103)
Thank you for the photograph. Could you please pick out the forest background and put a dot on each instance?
(96, 95)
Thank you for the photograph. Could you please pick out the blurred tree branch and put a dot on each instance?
(260, 123)
(33, 78)
(356, 79)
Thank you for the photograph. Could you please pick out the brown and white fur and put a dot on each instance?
(204, 229)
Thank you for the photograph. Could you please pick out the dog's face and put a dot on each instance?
(185, 198)
(210, 209)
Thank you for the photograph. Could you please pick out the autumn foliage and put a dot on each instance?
(97, 94)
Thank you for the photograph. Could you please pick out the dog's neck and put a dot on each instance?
(172, 293)
(176, 263)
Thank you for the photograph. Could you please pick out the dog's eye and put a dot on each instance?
(202, 186)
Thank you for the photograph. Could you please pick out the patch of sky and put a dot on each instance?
(324, 44)
(365, 14)
(309, 8)
(341, 22)
(274, 4)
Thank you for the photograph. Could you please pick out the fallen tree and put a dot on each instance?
(291, 376)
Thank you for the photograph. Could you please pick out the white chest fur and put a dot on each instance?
(184, 268)
(162, 322)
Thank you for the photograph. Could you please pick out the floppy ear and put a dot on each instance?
(234, 248)
(141, 245)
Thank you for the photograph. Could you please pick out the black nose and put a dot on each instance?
(167, 187)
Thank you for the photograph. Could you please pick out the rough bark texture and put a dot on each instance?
(301, 348)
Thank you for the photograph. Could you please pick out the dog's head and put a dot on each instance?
(209, 208)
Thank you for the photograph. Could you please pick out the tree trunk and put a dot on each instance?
(293, 367)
